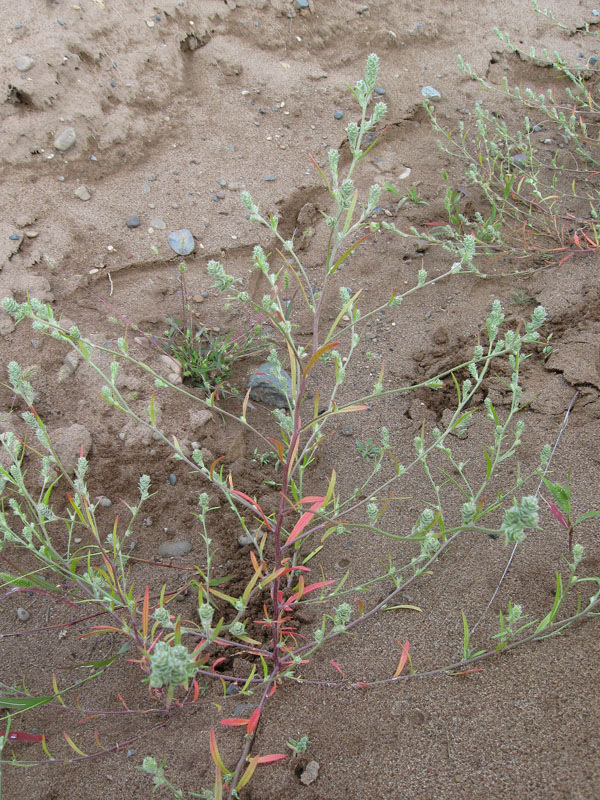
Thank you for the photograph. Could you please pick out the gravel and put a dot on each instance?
(182, 242)
(65, 139)
(24, 63)
(174, 549)
(133, 221)
(431, 93)
(82, 192)
(266, 387)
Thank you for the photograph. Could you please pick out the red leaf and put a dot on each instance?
(270, 758)
(403, 659)
(556, 513)
(337, 666)
(20, 736)
(305, 519)
(234, 722)
(253, 722)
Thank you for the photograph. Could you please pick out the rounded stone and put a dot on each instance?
(431, 93)
(22, 614)
(267, 387)
(174, 549)
(24, 63)
(82, 192)
(133, 221)
(65, 139)
(338, 115)
(182, 242)
(158, 224)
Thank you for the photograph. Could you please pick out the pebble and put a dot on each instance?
(133, 222)
(222, 182)
(158, 224)
(105, 502)
(181, 242)
(338, 115)
(268, 177)
(431, 93)
(174, 549)
(346, 431)
(593, 60)
(266, 388)
(65, 139)
(82, 192)
(378, 90)
(300, 4)
(24, 63)
(310, 773)
(22, 614)
(245, 539)
(14, 237)
(520, 160)
(172, 479)
(595, 12)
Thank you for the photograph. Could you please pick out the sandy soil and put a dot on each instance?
(176, 108)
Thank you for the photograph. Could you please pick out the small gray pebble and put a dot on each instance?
(378, 90)
(106, 502)
(82, 192)
(310, 773)
(22, 614)
(222, 182)
(520, 160)
(148, 522)
(174, 549)
(182, 242)
(156, 436)
(131, 752)
(265, 387)
(593, 60)
(537, 128)
(338, 115)
(300, 4)
(268, 177)
(220, 195)
(158, 224)
(595, 12)
(14, 237)
(133, 222)
(24, 63)
(548, 141)
(65, 139)
(150, 176)
(244, 539)
(346, 431)
(172, 479)
(232, 689)
(431, 93)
